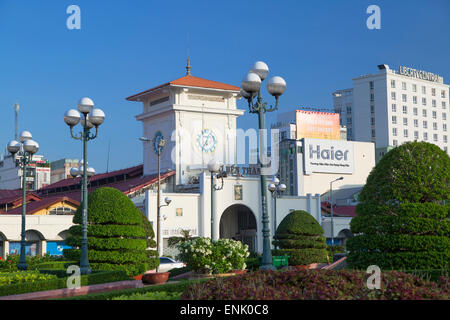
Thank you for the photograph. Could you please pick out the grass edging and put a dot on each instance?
(167, 287)
(96, 277)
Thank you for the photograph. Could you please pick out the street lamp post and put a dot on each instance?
(90, 117)
(214, 168)
(331, 205)
(159, 236)
(27, 148)
(277, 190)
(251, 89)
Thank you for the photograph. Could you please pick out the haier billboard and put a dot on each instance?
(327, 156)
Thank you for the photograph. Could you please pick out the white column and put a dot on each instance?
(43, 247)
(319, 208)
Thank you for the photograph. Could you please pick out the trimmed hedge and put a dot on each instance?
(403, 222)
(415, 172)
(93, 278)
(119, 235)
(299, 236)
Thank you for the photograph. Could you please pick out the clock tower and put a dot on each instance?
(197, 119)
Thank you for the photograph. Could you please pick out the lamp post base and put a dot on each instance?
(267, 267)
(85, 270)
(22, 266)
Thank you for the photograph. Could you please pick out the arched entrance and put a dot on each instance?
(239, 223)
(33, 240)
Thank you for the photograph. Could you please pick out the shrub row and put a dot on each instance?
(400, 260)
(401, 242)
(303, 256)
(110, 243)
(317, 285)
(399, 225)
(429, 210)
(110, 231)
(59, 283)
(299, 244)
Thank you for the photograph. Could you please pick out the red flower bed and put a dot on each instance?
(301, 284)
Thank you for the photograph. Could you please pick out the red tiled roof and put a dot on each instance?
(35, 206)
(133, 171)
(12, 196)
(131, 180)
(190, 81)
(126, 186)
(344, 211)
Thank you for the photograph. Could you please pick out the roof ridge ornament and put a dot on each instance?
(188, 67)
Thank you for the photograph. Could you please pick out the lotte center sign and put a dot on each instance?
(328, 156)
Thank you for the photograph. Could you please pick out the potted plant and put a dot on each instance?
(153, 277)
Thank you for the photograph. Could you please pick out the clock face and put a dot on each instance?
(207, 140)
(157, 138)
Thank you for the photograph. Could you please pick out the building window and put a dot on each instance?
(425, 125)
(434, 114)
(404, 97)
(443, 94)
(393, 95)
(424, 113)
(371, 84)
(405, 110)
(433, 103)
(425, 136)
(433, 92)
(415, 99)
(414, 88)
(392, 83)
(372, 109)
(424, 90)
(349, 121)
(405, 133)
(394, 132)
(416, 135)
(405, 121)
(349, 109)
(424, 101)
(394, 120)
(435, 126)
(394, 107)
(372, 97)
(444, 127)
(445, 139)
(373, 133)
(444, 116)
(416, 123)
(372, 121)
(394, 142)
(443, 104)
(435, 137)
(415, 111)
(404, 85)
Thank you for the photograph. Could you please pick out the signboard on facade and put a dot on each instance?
(328, 156)
(317, 125)
(420, 74)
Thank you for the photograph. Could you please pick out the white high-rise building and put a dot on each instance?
(396, 106)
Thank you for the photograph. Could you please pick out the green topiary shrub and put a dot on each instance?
(402, 221)
(119, 235)
(300, 237)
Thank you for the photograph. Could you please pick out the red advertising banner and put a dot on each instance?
(318, 125)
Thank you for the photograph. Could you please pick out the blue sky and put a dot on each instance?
(125, 47)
